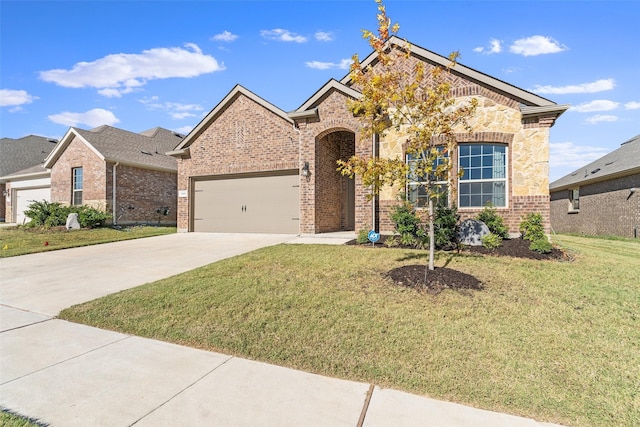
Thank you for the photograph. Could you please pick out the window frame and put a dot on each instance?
(481, 167)
(574, 199)
(417, 184)
(77, 186)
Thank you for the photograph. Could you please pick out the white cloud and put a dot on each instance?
(633, 105)
(323, 36)
(176, 110)
(601, 118)
(92, 118)
(495, 46)
(597, 86)
(570, 155)
(597, 105)
(224, 36)
(10, 98)
(120, 73)
(184, 130)
(281, 35)
(318, 65)
(536, 45)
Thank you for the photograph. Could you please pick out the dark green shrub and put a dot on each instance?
(89, 217)
(531, 227)
(495, 222)
(491, 241)
(54, 214)
(446, 227)
(409, 226)
(44, 214)
(542, 246)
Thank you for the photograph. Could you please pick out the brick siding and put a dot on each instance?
(606, 208)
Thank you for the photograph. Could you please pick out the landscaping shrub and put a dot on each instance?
(495, 222)
(531, 227)
(363, 237)
(409, 226)
(446, 227)
(491, 241)
(391, 242)
(542, 246)
(54, 214)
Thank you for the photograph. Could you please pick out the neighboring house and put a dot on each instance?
(125, 173)
(22, 177)
(601, 198)
(249, 166)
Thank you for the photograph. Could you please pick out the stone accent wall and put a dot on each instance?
(94, 172)
(245, 137)
(606, 208)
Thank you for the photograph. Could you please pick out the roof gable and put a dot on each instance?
(238, 90)
(332, 84)
(620, 162)
(482, 79)
(111, 144)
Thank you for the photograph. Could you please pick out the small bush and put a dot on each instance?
(391, 242)
(409, 226)
(491, 241)
(542, 246)
(446, 227)
(531, 227)
(53, 214)
(363, 237)
(495, 222)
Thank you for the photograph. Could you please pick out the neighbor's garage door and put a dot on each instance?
(24, 197)
(247, 204)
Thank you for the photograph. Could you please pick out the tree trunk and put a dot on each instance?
(432, 235)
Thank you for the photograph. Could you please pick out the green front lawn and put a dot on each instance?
(21, 241)
(554, 341)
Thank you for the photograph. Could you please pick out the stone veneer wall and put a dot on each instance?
(606, 208)
(497, 120)
(244, 138)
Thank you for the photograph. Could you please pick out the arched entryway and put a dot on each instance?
(334, 193)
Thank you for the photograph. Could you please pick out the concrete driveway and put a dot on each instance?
(49, 282)
(65, 374)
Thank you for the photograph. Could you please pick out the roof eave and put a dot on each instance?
(31, 175)
(595, 180)
(178, 153)
(530, 112)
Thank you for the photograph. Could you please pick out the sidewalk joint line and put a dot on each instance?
(365, 407)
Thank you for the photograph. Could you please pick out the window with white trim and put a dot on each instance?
(76, 186)
(574, 199)
(484, 178)
(416, 189)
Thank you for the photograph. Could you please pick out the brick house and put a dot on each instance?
(124, 173)
(249, 166)
(601, 198)
(22, 176)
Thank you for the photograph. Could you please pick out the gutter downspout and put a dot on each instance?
(113, 195)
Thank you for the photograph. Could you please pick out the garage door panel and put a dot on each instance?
(24, 197)
(265, 204)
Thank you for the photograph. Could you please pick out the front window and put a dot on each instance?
(417, 192)
(574, 198)
(76, 195)
(484, 179)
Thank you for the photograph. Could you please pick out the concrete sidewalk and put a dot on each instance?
(66, 374)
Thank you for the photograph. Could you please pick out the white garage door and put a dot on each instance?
(247, 204)
(24, 197)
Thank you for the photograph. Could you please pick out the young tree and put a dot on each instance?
(400, 92)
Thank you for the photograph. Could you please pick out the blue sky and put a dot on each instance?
(140, 64)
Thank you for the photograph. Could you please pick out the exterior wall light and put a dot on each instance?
(305, 170)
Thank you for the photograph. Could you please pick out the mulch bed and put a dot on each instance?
(413, 276)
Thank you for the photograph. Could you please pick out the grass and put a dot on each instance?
(22, 241)
(10, 419)
(553, 341)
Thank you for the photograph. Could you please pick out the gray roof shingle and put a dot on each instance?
(623, 161)
(23, 153)
(146, 149)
